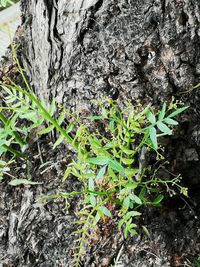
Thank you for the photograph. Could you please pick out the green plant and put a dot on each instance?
(5, 3)
(23, 108)
(107, 165)
(117, 180)
(9, 135)
(22, 114)
(161, 122)
(196, 262)
(107, 162)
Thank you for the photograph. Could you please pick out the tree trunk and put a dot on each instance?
(79, 50)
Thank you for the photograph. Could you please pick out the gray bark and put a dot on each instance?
(78, 50)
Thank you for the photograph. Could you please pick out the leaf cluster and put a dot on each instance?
(162, 123)
(108, 165)
(23, 114)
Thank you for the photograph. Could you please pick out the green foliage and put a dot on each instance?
(5, 3)
(196, 262)
(107, 165)
(24, 109)
(115, 184)
(19, 117)
(162, 123)
(9, 135)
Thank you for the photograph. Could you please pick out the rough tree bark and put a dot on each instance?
(78, 50)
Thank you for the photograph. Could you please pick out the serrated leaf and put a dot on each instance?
(115, 165)
(98, 160)
(178, 111)
(163, 128)
(162, 112)
(105, 211)
(17, 182)
(151, 117)
(170, 121)
(153, 137)
(158, 199)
